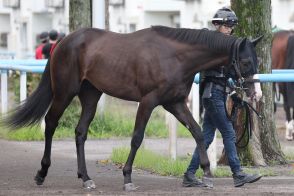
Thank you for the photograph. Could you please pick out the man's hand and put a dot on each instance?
(236, 99)
(257, 90)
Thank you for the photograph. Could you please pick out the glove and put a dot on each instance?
(236, 99)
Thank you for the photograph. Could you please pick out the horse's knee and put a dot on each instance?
(81, 134)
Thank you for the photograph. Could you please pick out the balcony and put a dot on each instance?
(54, 3)
(117, 3)
(11, 3)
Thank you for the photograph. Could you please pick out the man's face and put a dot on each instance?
(227, 30)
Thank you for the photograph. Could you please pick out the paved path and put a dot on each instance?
(19, 162)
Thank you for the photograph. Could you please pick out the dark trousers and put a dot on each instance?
(215, 118)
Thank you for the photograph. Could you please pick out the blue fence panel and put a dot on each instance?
(38, 66)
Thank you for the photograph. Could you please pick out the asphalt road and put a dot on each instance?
(19, 162)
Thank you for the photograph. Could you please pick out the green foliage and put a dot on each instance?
(117, 120)
(150, 161)
(14, 83)
(23, 134)
(289, 155)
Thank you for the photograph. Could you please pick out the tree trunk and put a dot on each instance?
(254, 20)
(80, 14)
(106, 14)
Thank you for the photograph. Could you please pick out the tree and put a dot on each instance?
(254, 20)
(106, 14)
(80, 14)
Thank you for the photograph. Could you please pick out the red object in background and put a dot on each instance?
(38, 52)
(52, 47)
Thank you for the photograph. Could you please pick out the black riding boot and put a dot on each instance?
(240, 178)
(191, 181)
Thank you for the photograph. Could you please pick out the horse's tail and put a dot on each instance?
(33, 109)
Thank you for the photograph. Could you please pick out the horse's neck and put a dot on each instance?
(205, 59)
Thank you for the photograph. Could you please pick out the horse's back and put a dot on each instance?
(112, 62)
(279, 48)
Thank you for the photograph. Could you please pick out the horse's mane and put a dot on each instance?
(213, 39)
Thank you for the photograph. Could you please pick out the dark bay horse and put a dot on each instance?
(283, 58)
(153, 66)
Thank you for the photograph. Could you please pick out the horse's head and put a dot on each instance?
(245, 65)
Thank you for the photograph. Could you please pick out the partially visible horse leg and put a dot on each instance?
(145, 109)
(51, 119)
(182, 113)
(287, 111)
(289, 123)
(89, 97)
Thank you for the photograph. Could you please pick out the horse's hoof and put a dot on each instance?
(130, 187)
(38, 179)
(89, 184)
(207, 182)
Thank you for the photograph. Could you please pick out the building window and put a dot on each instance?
(3, 40)
(133, 27)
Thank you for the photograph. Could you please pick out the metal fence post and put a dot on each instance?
(4, 93)
(23, 85)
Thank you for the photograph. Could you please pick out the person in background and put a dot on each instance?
(214, 100)
(61, 35)
(44, 39)
(53, 36)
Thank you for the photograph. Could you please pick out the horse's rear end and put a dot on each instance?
(282, 58)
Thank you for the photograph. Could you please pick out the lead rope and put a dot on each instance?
(248, 123)
(241, 104)
(247, 128)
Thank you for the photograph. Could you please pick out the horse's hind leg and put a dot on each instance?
(145, 109)
(182, 113)
(89, 97)
(51, 119)
(289, 122)
(288, 113)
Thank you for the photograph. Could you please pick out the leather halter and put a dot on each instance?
(235, 60)
(236, 64)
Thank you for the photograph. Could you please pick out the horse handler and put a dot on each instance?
(214, 99)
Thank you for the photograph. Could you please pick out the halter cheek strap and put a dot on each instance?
(236, 64)
(235, 60)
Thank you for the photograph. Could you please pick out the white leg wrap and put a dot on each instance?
(289, 130)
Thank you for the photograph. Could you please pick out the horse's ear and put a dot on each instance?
(256, 40)
(243, 42)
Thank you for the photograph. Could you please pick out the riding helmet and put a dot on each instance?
(225, 16)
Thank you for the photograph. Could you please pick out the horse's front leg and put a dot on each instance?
(182, 113)
(145, 109)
